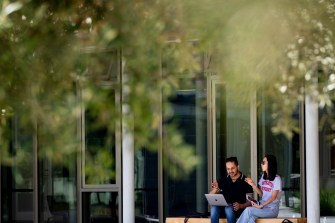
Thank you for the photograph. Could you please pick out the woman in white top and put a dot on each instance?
(269, 190)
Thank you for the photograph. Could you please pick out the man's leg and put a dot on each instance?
(215, 214)
(230, 215)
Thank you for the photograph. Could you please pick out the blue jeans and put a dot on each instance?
(228, 210)
(250, 214)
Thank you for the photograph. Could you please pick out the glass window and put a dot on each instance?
(99, 118)
(189, 105)
(100, 207)
(17, 179)
(287, 152)
(332, 160)
(327, 162)
(57, 194)
(327, 147)
(99, 159)
(232, 128)
(100, 154)
(146, 184)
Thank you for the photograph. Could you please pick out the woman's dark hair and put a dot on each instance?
(272, 168)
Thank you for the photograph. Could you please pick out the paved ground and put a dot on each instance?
(327, 219)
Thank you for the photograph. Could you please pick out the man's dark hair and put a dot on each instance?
(272, 168)
(232, 159)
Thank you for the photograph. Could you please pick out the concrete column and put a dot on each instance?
(312, 161)
(128, 201)
(128, 156)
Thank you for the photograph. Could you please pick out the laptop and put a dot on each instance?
(216, 200)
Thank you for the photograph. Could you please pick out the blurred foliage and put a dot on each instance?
(327, 202)
(59, 55)
(285, 49)
(55, 63)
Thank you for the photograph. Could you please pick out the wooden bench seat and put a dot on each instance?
(207, 220)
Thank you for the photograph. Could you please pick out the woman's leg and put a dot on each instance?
(250, 214)
(246, 216)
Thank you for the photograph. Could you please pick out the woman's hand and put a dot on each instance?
(250, 182)
(256, 205)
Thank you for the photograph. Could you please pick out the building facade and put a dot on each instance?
(211, 117)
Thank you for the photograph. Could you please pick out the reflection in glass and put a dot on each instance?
(287, 152)
(17, 180)
(100, 207)
(146, 184)
(232, 127)
(186, 195)
(100, 139)
(332, 160)
(220, 129)
(57, 194)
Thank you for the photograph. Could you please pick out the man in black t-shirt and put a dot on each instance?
(234, 188)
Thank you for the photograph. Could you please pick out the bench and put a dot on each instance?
(208, 220)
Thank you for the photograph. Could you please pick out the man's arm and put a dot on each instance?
(215, 188)
(237, 206)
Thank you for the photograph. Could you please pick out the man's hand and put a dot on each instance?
(215, 184)
(237, 206)
(215, 188)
